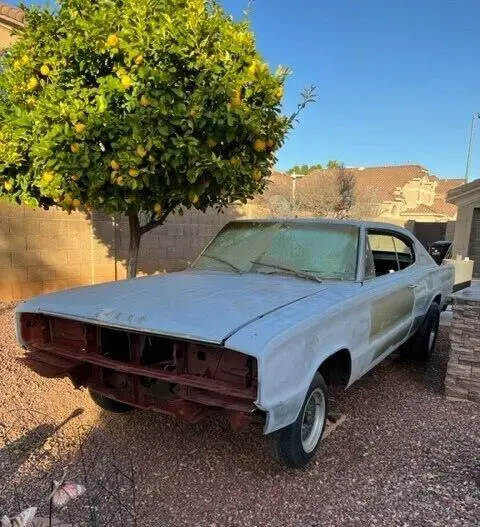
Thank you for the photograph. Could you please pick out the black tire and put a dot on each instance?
(286, 445)
(110, 405)
(421, 345)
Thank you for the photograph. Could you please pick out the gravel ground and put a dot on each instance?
(403, 457)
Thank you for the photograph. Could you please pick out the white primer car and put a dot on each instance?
(270, 313)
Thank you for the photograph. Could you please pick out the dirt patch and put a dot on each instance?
(404, 456)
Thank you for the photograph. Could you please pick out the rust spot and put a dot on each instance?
(171, 376)
(239, 420)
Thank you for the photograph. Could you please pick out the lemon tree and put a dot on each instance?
(140, 107)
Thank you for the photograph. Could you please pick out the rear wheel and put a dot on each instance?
(422, 344)
(110, 405)
(296, 444)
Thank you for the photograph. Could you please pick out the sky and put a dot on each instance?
(397, 80)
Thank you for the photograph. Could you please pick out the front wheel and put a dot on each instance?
(296, 444)
(110, 405)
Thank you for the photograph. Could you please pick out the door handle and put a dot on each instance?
(412, 286)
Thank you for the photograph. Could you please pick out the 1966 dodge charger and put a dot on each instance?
(271, 313)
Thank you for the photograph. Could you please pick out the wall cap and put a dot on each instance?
(471, 294)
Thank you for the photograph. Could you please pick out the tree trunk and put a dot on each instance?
(134, 246)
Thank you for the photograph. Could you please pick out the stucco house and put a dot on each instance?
(466, 241)
(397, 194)
(11, 18)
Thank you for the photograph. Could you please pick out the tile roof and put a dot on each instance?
(420, 209)
(440, 204)
(279, 184)
(464, 190)
(444, 185)
(386, 179)
(442, 207)
(379, 183)
(11, 15)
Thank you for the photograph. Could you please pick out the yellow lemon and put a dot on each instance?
(235, 100)
(32, 83)
(157, 208)
(262, 68)
(270, 143)
(48, 176)
(138, 60)
(31, 101)
(45, 70)
(141, 152)
(79, 128)
(133, 172)
(112, 40)
(25, 59)
(193, 196)
(256, 175)
(8, 185)
(119, 181)
(144, 100)
(75, 148)
(252, 70)
(278, 93)
(211, 142)
(68, 200)
(114, 164)
(76, 202)
(17, 65)
(259, 145)
(235, 161)
(126, 81)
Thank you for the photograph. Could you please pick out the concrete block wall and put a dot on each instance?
(174, 245)
(462, 381)
(43, 251)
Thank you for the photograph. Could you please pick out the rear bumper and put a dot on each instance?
(174, 377)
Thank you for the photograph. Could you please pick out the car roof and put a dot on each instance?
(330, 221)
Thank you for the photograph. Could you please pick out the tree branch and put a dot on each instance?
(158, 221)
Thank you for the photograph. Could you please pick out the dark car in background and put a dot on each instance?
(440, 250)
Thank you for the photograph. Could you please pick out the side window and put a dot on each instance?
(391, 253)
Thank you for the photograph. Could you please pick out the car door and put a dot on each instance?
(391, 290)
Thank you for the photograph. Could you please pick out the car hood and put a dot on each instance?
(203, 306)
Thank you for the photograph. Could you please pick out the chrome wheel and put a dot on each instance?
(431, 337)
(313, 420)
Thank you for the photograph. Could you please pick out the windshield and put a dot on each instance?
(317, 250)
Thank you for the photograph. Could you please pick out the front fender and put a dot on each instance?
(289, 354)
